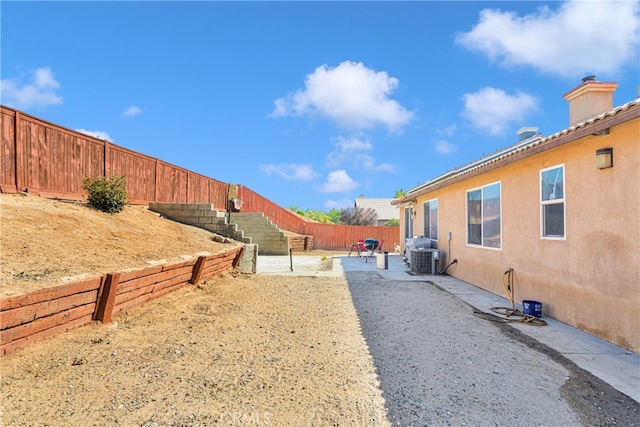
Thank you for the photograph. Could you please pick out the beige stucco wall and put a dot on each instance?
(590, 279)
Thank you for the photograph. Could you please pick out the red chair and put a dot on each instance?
(358, 247)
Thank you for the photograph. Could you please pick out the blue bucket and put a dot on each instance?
(532, 308)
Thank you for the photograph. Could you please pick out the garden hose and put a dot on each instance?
(509, 314)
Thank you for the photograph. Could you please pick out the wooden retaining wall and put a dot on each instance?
(47, 312)
(301, 243)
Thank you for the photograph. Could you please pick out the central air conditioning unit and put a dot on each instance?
(412, 243)
(424, 261)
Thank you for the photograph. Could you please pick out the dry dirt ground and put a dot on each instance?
(47, 242)
(247, 350)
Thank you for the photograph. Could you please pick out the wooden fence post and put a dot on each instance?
(236, 260)
(105, 158)
(107, 298)
(155, 183)
(18, 153)
(197, 270)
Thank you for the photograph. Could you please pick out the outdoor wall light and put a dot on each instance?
(604, 158)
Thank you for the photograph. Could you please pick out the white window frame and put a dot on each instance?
(553, 201)
(481, 189)
(426, 208)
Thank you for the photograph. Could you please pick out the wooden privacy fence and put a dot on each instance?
(51, 161)
(331, 236)
(48, 160)
(283, 218)
(47, 312)
(325, 236)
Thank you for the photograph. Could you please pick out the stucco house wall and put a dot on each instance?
(590, 278)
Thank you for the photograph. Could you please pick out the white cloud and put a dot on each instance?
(494, 110)
(291, 171)
(338, 182)
(338, 204)
(345, 150)
(580, 37)
(366, 162)
(96, 134)
(352, 151)
(132, 111)
(448, 131)
(445, 147)
(39, 92)
(351, 95)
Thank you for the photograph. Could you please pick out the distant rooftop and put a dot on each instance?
(383, 207)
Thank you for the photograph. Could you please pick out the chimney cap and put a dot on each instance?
(525, 129)
(526, 132)
(589, 78)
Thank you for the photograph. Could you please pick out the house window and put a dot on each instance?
(431, 219)
(483, 216)
(552, 202)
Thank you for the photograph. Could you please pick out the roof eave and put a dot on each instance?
(529, 147)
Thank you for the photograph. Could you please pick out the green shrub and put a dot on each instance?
(107, 195)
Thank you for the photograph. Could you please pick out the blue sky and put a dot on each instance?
(313, 103)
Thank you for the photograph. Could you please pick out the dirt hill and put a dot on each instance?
(48, 242)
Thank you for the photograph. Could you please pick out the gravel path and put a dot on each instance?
(440, 365)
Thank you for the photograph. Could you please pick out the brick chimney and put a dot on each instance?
(589, 99)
